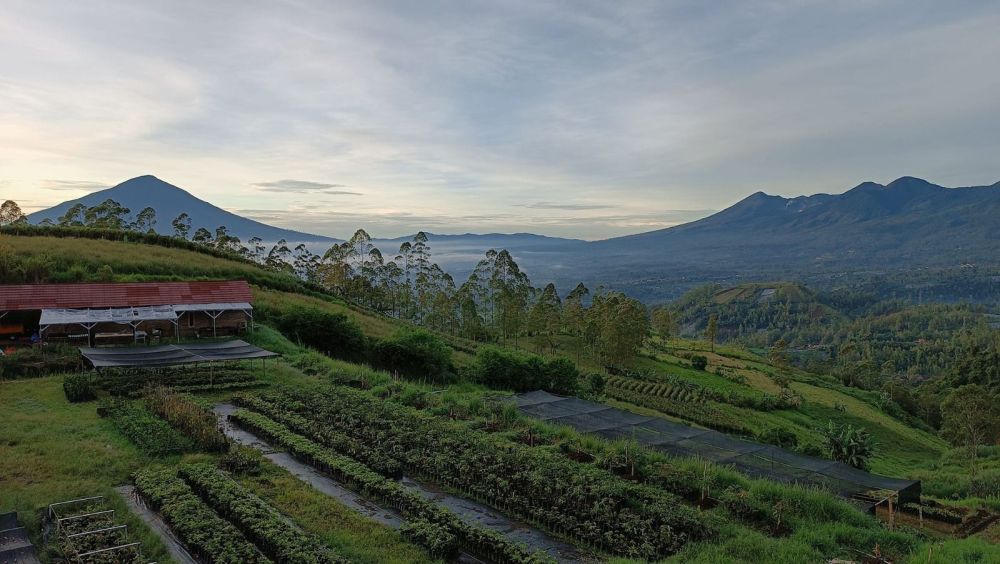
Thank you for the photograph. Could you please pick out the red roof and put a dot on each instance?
(17, 297)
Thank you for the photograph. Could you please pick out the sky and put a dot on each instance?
(576, 119)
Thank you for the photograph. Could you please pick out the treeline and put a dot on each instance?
(497, 303)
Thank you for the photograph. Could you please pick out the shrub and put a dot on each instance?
(985, 484)
(335, 334)
(779, 436)
(79, 387)
(242, 459)
(699, 362)
(39, 361)
(415, 353)
(520, 372)
(436, 539)
(145, 430)
(187, 417)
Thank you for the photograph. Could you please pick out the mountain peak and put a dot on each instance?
(909, 182)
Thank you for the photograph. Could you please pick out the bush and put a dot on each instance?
(335, 334)
(699, 362)
(779, 436)
(521, 372)
(145, 430)
(985, 484)
(242, 459)
(415, 354)
(39, 361)
(187, 417)
(436, 539)
(79, 387)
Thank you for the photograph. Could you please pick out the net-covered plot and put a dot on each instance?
(676, 439)
(173, 355)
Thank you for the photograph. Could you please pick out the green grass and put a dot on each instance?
(358, 538)
(52, 450)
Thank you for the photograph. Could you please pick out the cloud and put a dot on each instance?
(303, 187)
(566, 206)
(73, 185)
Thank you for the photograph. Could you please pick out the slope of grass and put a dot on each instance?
(52, 450)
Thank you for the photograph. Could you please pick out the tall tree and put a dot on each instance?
(11, 214)
(616, 326)
(74, 216)
(712, 330)
(662, 322)
(202, 236)
(256, 248)
(145, 221)
(545, 318)
(277, 257)
(574, 311)
(109, 214)
(970, 418)
(181, 225)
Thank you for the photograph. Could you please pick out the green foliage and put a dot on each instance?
(39, 361)
(79, 387)
(518, 371)
(438, 541)
(209, 537)
(779, 436)
(149, 433)
(335, 334)
(415, 354)
(412, 505)
(242, 460)
(265, 527)
(699, 362)
(848, 444)
(183, 414)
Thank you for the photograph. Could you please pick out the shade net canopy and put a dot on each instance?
(126, 315)
(676, 439)
(173, 355)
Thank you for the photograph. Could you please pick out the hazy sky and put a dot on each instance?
(583, 119)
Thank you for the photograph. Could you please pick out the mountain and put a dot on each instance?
(169, 201)
(905, 224)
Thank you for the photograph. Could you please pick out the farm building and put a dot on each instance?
(116, 313)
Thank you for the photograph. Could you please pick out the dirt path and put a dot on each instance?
(158, 526)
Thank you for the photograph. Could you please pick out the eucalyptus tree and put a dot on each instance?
(74, 216)
(145, 221)
(545, 317)
(181, 225)
(11, 214)
(109, 214)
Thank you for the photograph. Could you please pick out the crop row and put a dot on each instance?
(410, 504)
(704, 414)
(144, 429)
(666, 390)
(330, 438)
(190, 379)
(209, 537)
(582, 502)
(273, 535)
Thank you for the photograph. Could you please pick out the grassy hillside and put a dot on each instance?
(739, 392)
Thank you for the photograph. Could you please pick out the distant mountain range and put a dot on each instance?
(907, 224)
(169, 201)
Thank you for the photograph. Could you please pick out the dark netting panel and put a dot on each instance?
(172, 355)
(676, 439)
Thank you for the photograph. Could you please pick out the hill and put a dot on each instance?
(370, 422)
(169, 201)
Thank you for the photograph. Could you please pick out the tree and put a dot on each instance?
(109, 214)
(969, 418)
(616, 327)
(277, 257)
(256, 248)
(181, 225)
(11, 214)
(545, 317)
(848, 444)
(662, 322)
(145, 221)
(711, 330)
(73, 216)
(202, 236)
(778, 355)
(574, 312)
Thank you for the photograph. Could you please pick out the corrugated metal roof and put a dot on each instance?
(20, 297)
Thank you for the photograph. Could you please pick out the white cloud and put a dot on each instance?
(458, 114)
